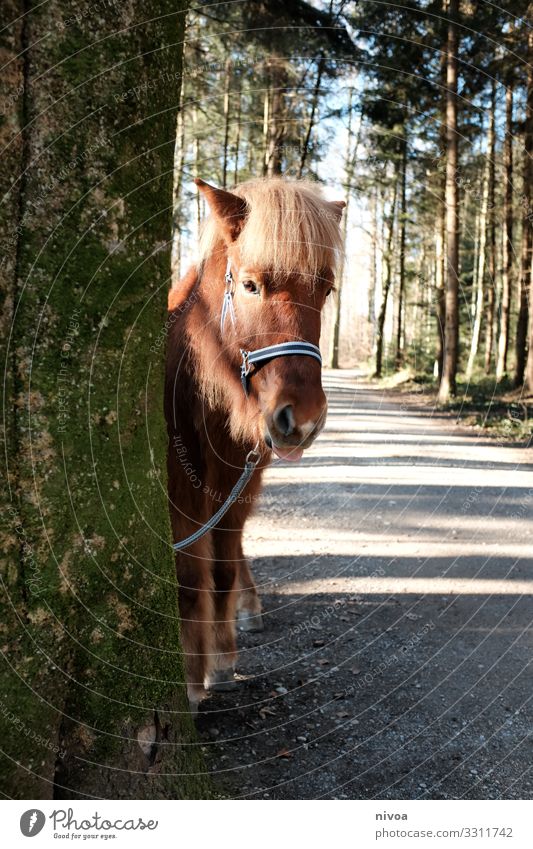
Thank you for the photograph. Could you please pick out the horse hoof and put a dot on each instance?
(195, 696)
(247, 621)
(193, 708)
(222, 680)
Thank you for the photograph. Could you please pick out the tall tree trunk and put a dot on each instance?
(349, 164)
(415, 330)
(507, 262)
(387, 281)
(440, 233)
(276, 117)
(529, 265)
(398, 360)
(237, 138)
(451, 327)
(179, 162)
(440, 302)
(196, 161)
(477, 239)
(226, 114)
(93, 701)
(529, 365)
(490, 285)
(266, 118)
(482, 246)
(526, 278)
(312, 118)
(427, 292)
(374, 259)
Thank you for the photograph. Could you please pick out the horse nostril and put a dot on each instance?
(284, 420)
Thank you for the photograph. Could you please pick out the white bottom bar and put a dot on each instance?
(269, 824)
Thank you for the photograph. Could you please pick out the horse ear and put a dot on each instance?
(228, 209)
(336, 207)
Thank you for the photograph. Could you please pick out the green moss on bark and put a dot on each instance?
(93, 634)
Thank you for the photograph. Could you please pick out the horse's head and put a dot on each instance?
(278, 241)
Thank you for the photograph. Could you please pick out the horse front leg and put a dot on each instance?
(237, 605)
(236, 599)
(226, 582)
(249, 611)
(197, 617)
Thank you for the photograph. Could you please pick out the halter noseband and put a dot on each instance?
(256, 359)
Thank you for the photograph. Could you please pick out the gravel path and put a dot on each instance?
(395, 567)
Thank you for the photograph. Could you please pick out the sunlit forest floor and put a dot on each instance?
(395, 568)
(496, 407)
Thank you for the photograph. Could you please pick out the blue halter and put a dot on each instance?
(252, 360)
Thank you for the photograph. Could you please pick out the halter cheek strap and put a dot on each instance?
(227, 303)
(253, 360)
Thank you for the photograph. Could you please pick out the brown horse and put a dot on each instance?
(277, 242)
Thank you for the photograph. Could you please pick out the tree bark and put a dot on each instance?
(93, 701)
(525, 314)
(451, 328)
(507, 263)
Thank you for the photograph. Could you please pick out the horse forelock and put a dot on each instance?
(289, 227)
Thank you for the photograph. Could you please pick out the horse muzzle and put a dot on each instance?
(289, 432)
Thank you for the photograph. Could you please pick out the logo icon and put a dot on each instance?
(32, 822)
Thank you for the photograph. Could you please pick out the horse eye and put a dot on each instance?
(330, 290)
(251, 287)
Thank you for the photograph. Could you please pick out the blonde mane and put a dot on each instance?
(289, 227)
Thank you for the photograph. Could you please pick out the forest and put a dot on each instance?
(420, 117)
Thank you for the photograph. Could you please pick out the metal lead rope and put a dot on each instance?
(252, 459)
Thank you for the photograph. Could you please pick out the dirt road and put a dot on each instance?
(395, 564)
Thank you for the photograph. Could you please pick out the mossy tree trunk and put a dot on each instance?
(93, 702)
